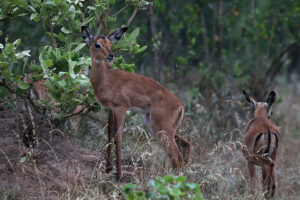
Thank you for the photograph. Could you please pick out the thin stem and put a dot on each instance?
(26, 97)
(121, 10)
(52, 30)
(132, 16)
(98, 18)
(82, 111)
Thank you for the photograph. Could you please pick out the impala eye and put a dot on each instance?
(98, 45)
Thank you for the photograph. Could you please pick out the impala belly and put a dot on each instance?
(138, 110)
(147, 116)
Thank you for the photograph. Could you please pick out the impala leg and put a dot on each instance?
(270, 181)
(264, 175)
(166, 137)
(273, 183)
(119, 117)
(110, 134)
(251, 168)
(184, 147)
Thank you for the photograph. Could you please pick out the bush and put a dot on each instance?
(167, 187)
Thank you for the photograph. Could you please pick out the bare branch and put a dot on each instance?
(26, 97)
(98, 18)
(132, 16)
(121, 10)
(53, 42)
(84, 110)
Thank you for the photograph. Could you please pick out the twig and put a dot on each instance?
(51, 30)
(121, 10)
(277, 63)
(98, 18)
(132, 16)
(39, 178)
(5, 102)
(26, 97)
(80, 112)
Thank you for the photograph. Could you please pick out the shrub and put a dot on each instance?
(167, 187)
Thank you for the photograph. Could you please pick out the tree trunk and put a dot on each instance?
(207, 60)
(220, 31)
(155, 49)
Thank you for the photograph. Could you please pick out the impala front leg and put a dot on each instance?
(110, 134)
(119, 117)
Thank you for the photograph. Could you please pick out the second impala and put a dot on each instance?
(120, 91)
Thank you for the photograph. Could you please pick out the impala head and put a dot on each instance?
(100, 46)
(261, 109)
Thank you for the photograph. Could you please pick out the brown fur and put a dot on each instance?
(119, 91)
(40, 92)
(260, 145)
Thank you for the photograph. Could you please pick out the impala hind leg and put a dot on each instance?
(119, 114)
(251, 169)
(269, 183)
(110, 135)
(184, 147)
(264, 175)
(166, 138)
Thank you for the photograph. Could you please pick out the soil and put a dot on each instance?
(38, 161)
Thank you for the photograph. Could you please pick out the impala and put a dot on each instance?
(120, 91)
(39, 91)
(260, 143)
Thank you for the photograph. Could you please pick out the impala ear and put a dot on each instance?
(250, 100)
(117, 35)
(86, 34)
(271, 99)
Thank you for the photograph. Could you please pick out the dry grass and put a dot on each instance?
(218, 165)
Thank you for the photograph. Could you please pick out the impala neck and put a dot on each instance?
(98, 72)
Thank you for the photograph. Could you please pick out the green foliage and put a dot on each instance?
(23, 159)
(167, 187)
(64, 63)
(12, 66)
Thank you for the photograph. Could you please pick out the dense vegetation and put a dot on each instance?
(204, 51)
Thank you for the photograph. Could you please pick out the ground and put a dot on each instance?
(56, 165)
(60, 168)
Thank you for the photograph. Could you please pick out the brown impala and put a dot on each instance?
(120, 91)
(260, 143)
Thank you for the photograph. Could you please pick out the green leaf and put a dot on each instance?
(168, 178)
(175, 192)
(49, 62)
(17, 42)
(41, 59)
(23, 159)
(71, 67)
(91, 8)
(129, 187)
(180, 178)
(191, 186)
(111, 2)
(66, 31)
(22, 54)
(32, 16)
(22, 85)
(79, 46)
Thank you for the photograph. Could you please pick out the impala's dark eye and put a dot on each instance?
(98, 45)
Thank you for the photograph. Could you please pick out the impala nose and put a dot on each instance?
(110, 58)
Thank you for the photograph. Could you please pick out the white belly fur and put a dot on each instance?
(138, 110)
(147, 117)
